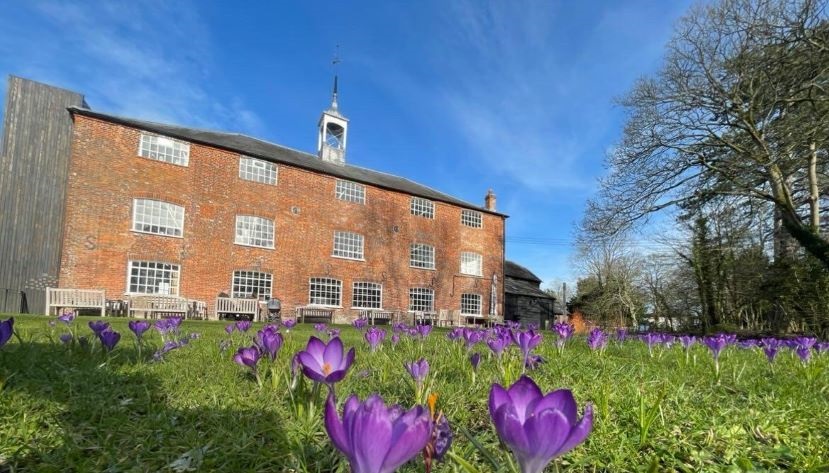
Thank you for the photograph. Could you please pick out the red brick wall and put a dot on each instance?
(106, 174)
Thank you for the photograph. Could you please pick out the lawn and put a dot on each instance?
(64, 407)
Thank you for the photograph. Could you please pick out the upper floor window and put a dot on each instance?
(422, 256)
(348, 245)
(471, 304)
(152, 277)
(472, 263)
(422, 207)
(367, 295)
(164, 149)
(160, 218)
(325, 291)
(254, 231)
(421, 299)
(251, 284)
(471, 218)
(350, 191)
(257, 170)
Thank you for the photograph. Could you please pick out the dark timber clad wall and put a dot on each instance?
(34, 159)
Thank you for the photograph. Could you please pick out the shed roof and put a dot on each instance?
(515, 270)
(280, 154)
(520, 287)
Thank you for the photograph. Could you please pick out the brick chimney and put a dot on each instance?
(489, 200)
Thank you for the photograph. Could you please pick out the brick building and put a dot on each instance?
(165, 209)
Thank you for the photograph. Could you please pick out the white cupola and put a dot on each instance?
(333, 131)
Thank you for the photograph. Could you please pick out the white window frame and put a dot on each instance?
(157, 218)
(163, 148)
(243, 282)
(472, 263)
(469, 301)
(323, 291)
(421, 299)
(472, 218)
(371, 295)
(422, 256)
(165, 284)
(258, 170)
(348, 245)
(350, 191)
(253, 231)
(422, 207)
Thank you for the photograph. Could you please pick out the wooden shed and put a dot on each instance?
(524, 301)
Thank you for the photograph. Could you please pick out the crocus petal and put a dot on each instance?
(498, 396)
(561, 400)
(546, 432)
(333, 353)
(335, 427)
(411, 433)
(370, 436)
(522, 393)
(316, 348)
(510, 429)
(580, 432)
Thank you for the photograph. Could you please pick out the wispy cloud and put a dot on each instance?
(149, 59)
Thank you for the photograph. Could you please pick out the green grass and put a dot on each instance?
(63, 408)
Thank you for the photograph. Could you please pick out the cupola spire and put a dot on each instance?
(333, 126)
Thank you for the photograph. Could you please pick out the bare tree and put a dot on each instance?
(739, 109)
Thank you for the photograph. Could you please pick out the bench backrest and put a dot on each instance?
(236, 306)
(159, 303)
(75, 297)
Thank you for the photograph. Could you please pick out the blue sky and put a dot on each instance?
(461, 96)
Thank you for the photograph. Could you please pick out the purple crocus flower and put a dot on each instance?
(822, 347)
(472, 337)
(229, 328)
(537, 428)
(770, 347)
(687, 341)
(395, 339)
(455, 334)
(289, 324)
(716, 343)
(98, 326)
(526, 341)
(325, 363)
(376, 438)
(418, 369)
(475, 360)
(334, 332)
(109, 338)
(320, 327)
(65, 338)
(650, 339)
(621, 334)
(6, 330)
(67, 317)
(748, 343)
(138, 327)
(424, 330)
(804, 353)
(533, 361)
(441, 439)
(564, 330)
(247, 356)
(497, 345)
(597, 339)
(360, 323)
(374, 337)
(269, 341)
(243, 325)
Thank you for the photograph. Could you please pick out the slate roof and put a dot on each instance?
(520, 287)
(514, 270)
(280, 154)
(520, 281)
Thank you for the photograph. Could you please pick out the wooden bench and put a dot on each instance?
(75, 299)
(232, 305)
(376, 317)
(156, 306)
(314, 314)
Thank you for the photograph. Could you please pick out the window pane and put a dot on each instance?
(164, 149)
(325, 291)
(471, 304)
(152, 277)
(471, 218)
(367, 295)
(254, 231)
(421, 299)
(257, 170)
(422, 256)
(350, 191)
(422, 207)
(251, 284)
(348, 245)
(161, 218)
(472, 264)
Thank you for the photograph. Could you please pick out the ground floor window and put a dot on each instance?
(367, 295)
(325, 291)
(153, 277)
(421, 299)
(251, 284)
(471, 304)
